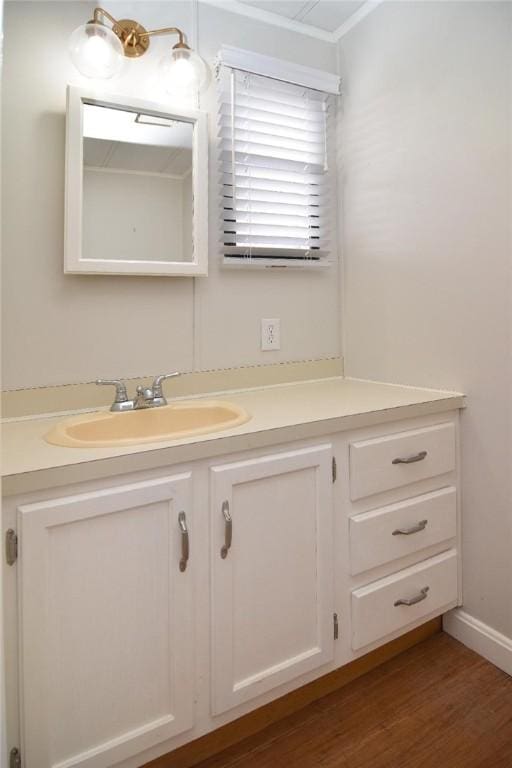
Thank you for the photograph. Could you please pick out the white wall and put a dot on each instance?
(60, 329)
(133, 216)
(427, 173)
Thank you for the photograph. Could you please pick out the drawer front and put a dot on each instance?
(378, 610)
(391, 532)
(394, 460)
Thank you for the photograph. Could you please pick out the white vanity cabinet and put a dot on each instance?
(272, 551)
(403, 530)
(120, 649)
(106, 623)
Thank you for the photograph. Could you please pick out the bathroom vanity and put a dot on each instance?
(160, 591)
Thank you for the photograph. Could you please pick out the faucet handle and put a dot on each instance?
(157, 383)
(121, 393)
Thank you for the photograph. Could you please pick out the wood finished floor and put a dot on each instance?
(438, 705)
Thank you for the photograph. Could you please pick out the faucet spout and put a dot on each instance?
(145, 397)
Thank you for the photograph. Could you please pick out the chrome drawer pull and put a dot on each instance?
(413, 529)
(413, 600)
(228, 530)
(185, 544)
(411, 459)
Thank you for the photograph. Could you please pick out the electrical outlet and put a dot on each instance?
(270, 333)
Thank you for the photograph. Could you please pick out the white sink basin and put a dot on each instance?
(168, 422)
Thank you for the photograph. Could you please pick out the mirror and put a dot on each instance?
(136, 186)
(134, 204)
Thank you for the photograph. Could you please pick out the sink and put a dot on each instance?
(168, 422)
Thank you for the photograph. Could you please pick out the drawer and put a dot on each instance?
(391, 532)
(394, 460)
(430, 586)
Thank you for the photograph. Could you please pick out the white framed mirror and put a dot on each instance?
(136, 187)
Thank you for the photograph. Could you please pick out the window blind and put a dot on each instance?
(277, 185)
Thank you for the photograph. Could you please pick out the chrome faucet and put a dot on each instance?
(146, 397)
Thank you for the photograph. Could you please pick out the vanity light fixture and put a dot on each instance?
(97, 51)
(160, 122)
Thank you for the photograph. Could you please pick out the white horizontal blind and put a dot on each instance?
(276, 141)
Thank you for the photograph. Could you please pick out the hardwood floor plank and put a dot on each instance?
(438, 705)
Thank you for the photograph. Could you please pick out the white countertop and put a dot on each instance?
(279, 413)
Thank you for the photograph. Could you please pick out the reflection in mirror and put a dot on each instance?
(137, 186)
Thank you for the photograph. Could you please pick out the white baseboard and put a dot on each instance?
(480, 637)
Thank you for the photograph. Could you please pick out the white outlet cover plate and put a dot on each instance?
(270, 334)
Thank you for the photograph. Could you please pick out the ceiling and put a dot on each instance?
(326, 20)
(125, 125)
(327, 15)
(124, 156)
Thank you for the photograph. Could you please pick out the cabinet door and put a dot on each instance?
(106, 623)
(272, 589)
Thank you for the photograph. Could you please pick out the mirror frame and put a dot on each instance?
(73, 261)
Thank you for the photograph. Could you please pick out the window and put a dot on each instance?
(277, 165)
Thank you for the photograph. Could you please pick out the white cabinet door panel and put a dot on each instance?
(273, 592)
(106, 637)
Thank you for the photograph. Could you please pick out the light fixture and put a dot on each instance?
(183, 71)
(97, 51)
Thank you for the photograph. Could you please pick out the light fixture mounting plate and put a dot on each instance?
(133, 36)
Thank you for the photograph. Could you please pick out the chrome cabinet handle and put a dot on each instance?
(411, 459)
(413, 600)
(228, 530)
(185, 543)
(413, 529)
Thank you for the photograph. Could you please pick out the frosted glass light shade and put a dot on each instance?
(184, 72)
(96, 51)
